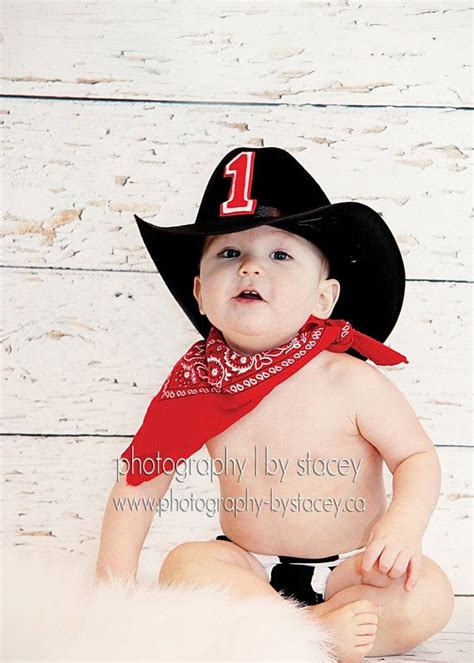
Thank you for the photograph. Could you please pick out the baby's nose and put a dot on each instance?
(250, 266)
(250, 263)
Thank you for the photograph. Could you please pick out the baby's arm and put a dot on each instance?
(124, 532)
(386, 419)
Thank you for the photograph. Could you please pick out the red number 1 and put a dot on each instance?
(240, 168)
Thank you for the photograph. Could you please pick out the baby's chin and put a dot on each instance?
(251, 335)
(244, 328)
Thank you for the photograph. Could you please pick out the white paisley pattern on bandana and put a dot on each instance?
(212, 367)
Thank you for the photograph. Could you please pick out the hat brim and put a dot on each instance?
(363, 255)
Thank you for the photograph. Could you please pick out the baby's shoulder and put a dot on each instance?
(348, 372)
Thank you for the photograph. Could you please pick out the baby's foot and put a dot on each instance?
(354, 627)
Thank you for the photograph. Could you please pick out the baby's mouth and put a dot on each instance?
(249, 295)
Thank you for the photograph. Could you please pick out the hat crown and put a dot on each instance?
(259, 182)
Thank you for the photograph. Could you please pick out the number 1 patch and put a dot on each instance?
(240, 168)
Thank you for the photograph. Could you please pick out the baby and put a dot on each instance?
(280, 384)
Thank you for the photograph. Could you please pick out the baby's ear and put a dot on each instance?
(197, 287)
(328, 295)
(197, 293)
(333, 288)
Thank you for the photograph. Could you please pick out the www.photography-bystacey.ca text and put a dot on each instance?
(242, 503)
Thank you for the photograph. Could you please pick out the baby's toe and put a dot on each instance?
(366, 629)
(364, 649)
(365, 605)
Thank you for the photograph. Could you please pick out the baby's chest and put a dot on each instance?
(298, 417)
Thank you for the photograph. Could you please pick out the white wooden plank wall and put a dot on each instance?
(115, 108)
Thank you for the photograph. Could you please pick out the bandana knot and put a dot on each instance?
(346, 336)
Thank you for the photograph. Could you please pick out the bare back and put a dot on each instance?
(317, 481)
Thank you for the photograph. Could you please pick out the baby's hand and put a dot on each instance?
(397, 549)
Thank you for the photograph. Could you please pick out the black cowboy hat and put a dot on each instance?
(267, 186)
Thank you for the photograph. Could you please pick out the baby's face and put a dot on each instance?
(288, 272)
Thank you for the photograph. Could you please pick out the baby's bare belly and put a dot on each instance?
(305, 511)
(311, 486)
(303, 518)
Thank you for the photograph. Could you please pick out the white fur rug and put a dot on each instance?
(53, 612)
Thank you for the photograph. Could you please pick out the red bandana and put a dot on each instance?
(211, 387)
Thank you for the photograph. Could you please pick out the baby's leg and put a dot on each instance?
(203, 563)
(408, 618)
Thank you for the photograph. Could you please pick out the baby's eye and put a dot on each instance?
(226, 250)
(281, 253)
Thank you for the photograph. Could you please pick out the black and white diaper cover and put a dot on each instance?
(300, 578)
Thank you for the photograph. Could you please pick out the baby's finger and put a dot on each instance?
(387, 559)
(400, 565)
(414, 568)
(371, 554)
